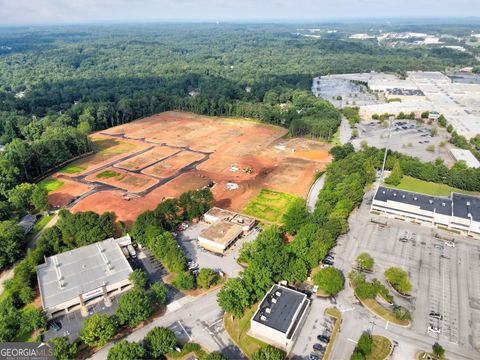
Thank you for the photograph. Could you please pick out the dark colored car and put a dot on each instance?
(323, 338)
(327, 262)
(435, 315)
(314, 357)
(54, 325)
(318, 347)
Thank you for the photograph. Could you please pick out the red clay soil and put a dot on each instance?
(170, 166)
(143, 160)
(125, 180)
(69, 191)
(249, 145)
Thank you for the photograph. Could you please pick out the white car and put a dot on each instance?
(434, 329)
(450, 243)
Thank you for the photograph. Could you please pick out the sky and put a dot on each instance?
(87, 11)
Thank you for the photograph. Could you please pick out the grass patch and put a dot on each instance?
(335, 140)
(383, 312)
(51, 184)
(107, 174)
(111, 146)
(44, 220)
(237, 329)
(425, 187)
(72, 169)
(188, 348)
(269, 205)
(334, 312)
(380, 348)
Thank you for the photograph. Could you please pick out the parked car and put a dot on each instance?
(438, 246)
(323, 338)
(327, 262)
(329, 257)
(54, 325)
(434, 329)
(318, 347)
(132, 251)
(314, 357)
(450, 243)
(435, 315)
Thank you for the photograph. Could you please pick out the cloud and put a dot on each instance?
(74, 11)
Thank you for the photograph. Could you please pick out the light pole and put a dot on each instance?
(390, 118)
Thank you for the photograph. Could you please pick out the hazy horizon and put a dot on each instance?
(64, 12)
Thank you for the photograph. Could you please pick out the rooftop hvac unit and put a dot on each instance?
(268, 310)
(414, 198)
(278, 293)
(403, 196)
(468, 203)
(383, 192)
(443, 204)
(263, 318)
(430, 201)
(274, 300)
(395, 194)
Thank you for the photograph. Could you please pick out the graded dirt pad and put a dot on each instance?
(107, 150)
(122, 179)
(69, 191)
(170, 166)
(147, 158)
(135, 157)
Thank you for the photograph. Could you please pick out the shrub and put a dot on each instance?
(184, 280)
(366, 290)
(139, 279)
(365, 261)
(207, 278)
(398, 278)
(356, 278)
(159, 293)
(329, 280)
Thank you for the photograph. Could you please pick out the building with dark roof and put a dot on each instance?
(458, 212)
(280, 316)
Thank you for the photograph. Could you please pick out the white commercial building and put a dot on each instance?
(466, 156)
(458, 213)
(280, 316)
(71, 280)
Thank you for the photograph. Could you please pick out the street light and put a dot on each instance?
(390, 119)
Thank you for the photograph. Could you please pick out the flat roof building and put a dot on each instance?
(219, 236)
(280, 316)
(70, 280)
(467, 156)
(459, 212)
(216, 214)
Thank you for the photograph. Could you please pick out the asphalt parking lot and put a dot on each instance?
(72, 323)
(445, 279)
(411, 138)
(226, 263)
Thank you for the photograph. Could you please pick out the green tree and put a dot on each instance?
(366, 290)
(139, 279)
(399, 279)
(159, 292)
(396, 175)
(438, 350)
(365, 261)
(207, 278)
(133, 308)
(234, 297)
(434, 131)
(329, 280)
(33, 319)
(124, 350)
(98, 330)
(295, 216)
(268, 353)
(39, 198)
(357, 355)
(11, 242)
(62, 349)
(364, 344)
(184, 280)
(9, 320)
(9, 175)
(216, 356)
(20, 197)
(159, 341)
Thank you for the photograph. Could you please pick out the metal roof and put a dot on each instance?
(67, 275)
(440, 205)
(282, 308)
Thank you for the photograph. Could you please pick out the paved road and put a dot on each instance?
(313, 193)
(345, 131)
(201, 318)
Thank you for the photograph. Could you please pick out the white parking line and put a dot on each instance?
(353, 341)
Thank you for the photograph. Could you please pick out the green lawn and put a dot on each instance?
(107, 174)
(335, 140)
(51, 184)
(72, 169)
(383, 312)
(237, 330)
(44, 220)
(411, 184)
(380, 348)
(269, 205)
